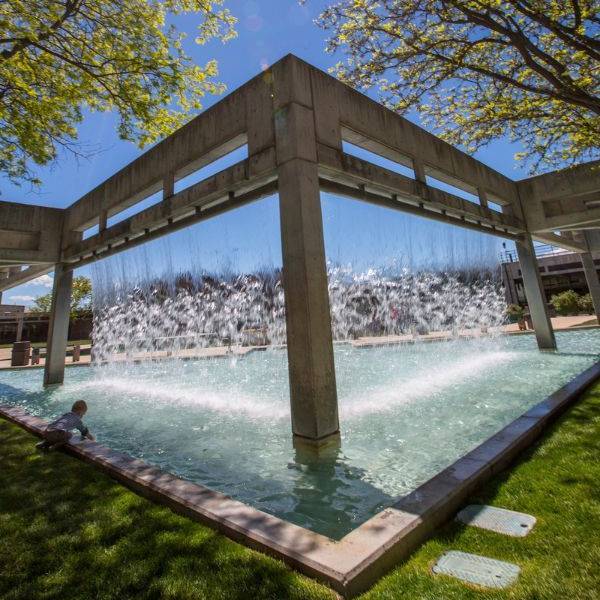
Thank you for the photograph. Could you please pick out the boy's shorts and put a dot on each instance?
(57, 436)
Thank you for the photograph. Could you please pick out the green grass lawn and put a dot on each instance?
(67, 532)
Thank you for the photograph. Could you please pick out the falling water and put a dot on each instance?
(186, 312)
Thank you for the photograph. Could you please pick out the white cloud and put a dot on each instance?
(43, 280)
(21, 299)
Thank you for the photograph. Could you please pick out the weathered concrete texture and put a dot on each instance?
(534, 291)
(310, 347)
(591, 276)
(358, 560)
(29, 233)
(58, 329)
(562, 199)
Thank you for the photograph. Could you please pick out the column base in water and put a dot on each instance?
(325, 445)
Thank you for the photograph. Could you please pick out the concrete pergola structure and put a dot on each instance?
(294, 119)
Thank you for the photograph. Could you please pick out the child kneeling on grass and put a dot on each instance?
(59, 433)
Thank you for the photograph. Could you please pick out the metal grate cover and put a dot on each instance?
(478, 570)
(500, 520)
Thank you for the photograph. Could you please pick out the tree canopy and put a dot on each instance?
(58, 57)
(81, 298)
(477, 70)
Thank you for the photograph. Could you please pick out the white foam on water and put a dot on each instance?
(227, 403)
(428, 383)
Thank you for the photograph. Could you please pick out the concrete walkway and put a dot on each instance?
(559, 324)
(212, 352)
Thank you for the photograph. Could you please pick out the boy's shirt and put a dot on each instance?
(68, 422)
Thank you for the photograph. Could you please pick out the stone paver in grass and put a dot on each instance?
(500, 520)
(477, 570)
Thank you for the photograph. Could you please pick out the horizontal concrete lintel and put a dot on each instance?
(425, 211)
(351, 170)
(207, 211)
(580, 219)
(557, 240)
(353, 564)
(234, 179)
(15, 240)
(28, 257)
(25, 275)
(571, 182)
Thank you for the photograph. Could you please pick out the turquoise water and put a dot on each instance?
(406, 412)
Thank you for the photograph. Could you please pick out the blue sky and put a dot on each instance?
(247, 239)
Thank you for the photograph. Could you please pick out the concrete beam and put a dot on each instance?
(534, 292)
(126, 242)
(561, 199)
(58, 327)
(425, 200)
(228, 187)
(29, 234)
(230, 123)
(386, 201)
(575, 219)
(368, 124)
(24, 276)
(571, 182)
(562, 241)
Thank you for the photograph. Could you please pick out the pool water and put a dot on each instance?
(406, 412)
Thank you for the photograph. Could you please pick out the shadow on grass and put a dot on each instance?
(69, 531)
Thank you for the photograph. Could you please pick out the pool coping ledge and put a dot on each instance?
(354, 563)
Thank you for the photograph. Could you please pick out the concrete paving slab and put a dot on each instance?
(500, 520)
(477, 570)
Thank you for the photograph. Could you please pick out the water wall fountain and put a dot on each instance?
(249, 309)
(426, 281)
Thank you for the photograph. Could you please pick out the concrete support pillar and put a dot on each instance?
(58, 328)
(102, 220)
(534, 291)
(483, 197)
(313, 391)
(591, 276)
(168, 185)
(19, 335)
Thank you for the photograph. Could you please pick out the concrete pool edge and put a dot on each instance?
(359, 559)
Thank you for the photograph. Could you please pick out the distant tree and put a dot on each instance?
(566, 303)
(586, 305)
(59, 57)
(81, 298)
(478, 70)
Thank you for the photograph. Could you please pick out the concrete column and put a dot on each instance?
(102, 220)
(313, 391)
(58, 328)
(168, 185)
(591, 276)
(19, 335)
(534, 291)
(483, 197)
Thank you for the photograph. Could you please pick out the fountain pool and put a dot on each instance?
(406, 412)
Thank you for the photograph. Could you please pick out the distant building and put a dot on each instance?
(560, 271)
(16, 324)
